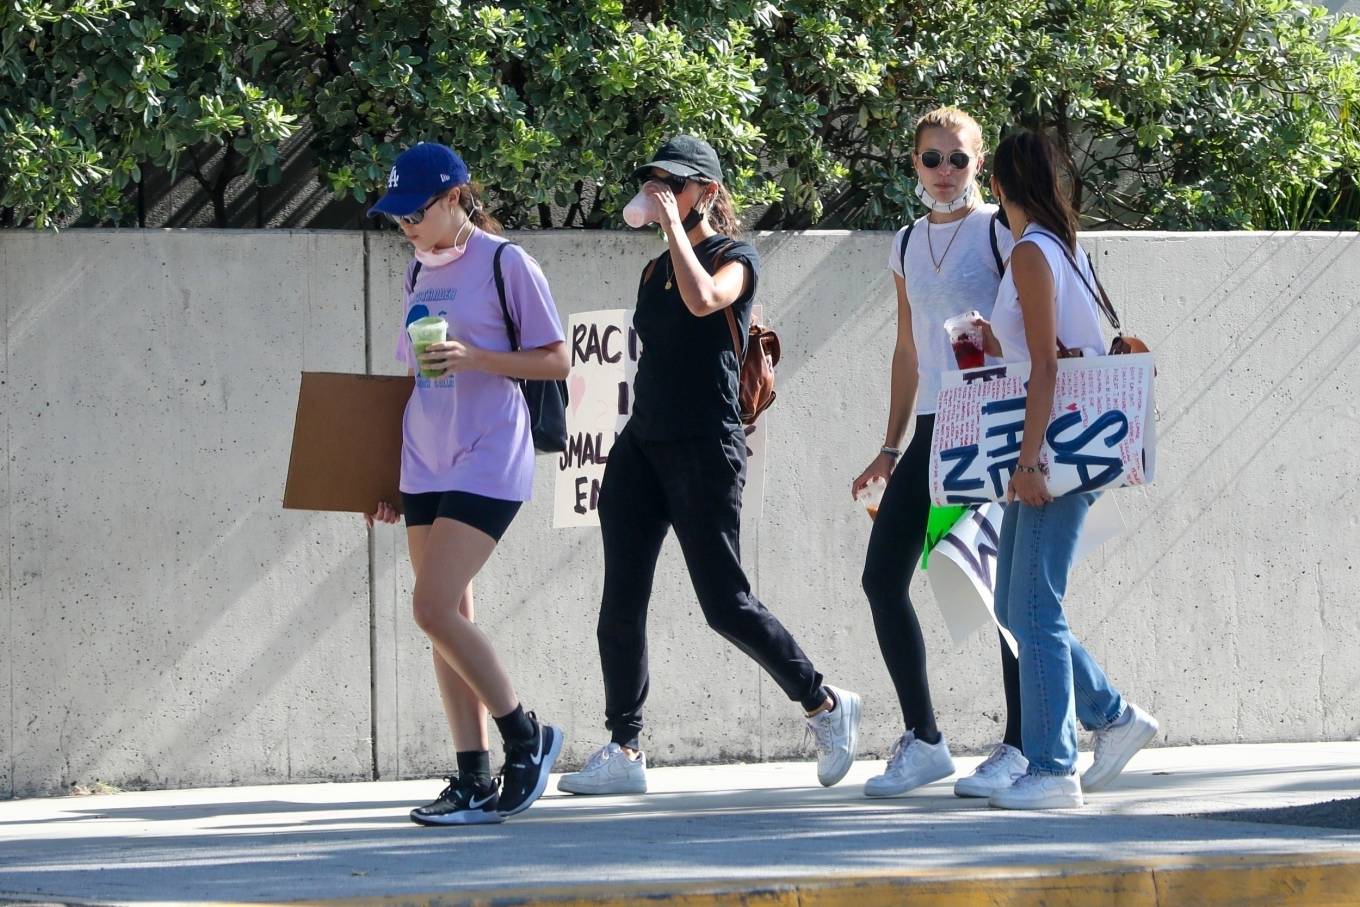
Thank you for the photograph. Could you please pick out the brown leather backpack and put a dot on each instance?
(755, 379)
(755, 370)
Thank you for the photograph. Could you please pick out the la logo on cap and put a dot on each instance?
(392, 179)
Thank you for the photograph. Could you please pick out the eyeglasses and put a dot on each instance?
(959, 160)
(414, 217)
(672, 182)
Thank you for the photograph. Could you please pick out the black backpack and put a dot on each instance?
(547, 400)
(991, 235)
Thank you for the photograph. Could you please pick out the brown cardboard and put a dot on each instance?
(347, 442)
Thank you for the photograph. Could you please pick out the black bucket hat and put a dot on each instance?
(686, 156)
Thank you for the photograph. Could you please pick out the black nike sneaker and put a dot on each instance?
(461, 803)
(527, 766)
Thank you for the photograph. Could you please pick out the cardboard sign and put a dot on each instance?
(604, 356)
(963, 564)
(347, 442)
(1100, 433)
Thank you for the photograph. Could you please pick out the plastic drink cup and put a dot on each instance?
(966, 340)
(423, 332)
(871, 496)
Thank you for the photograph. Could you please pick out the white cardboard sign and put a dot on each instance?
(1100, 434)
(604, 355)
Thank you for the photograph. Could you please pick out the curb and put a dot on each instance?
(1260, 880)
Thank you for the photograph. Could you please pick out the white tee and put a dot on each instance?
(1078, 317)
(967, 279)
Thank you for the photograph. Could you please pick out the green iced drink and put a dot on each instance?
(423, 332)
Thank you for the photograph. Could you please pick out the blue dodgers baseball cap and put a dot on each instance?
(420, 173)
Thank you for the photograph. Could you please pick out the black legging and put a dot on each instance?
(895, 546)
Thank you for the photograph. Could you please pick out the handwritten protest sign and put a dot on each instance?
(604, 355)
(1100, 432)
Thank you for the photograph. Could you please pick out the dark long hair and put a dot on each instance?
(470, 197)
(1025, 166)
(722, 215)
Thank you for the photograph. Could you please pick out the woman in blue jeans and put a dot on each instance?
(1042, 306)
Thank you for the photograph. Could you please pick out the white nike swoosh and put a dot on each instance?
(537, 758)
(474, 803)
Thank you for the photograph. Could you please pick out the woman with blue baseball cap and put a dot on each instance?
(468, 461)
(680, 463)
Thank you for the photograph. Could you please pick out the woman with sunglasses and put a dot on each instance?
(468, 464)
(680, 463)
(1043, 298)
(944, 264)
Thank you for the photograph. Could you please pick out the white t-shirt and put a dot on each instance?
(1078, 316)
(967, 279)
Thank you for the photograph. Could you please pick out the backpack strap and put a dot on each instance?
(1101, 298)
(500, 291)
(902, 255)
(996, 249)
(727, 310)
(412, 272)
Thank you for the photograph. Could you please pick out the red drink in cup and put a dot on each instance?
(966, 339)
(968, 354)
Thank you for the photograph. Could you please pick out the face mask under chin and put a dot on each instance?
(965, 199)
(434, 258)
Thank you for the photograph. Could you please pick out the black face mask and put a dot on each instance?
(692, 219)
(1001, 216)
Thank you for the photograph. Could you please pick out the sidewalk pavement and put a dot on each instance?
(750, 834)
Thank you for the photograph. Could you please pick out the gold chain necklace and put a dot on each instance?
(931, 245)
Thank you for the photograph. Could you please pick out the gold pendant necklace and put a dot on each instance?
(931, 245)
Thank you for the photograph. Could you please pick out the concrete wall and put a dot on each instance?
(168, 624)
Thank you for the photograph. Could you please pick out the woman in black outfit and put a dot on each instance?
(681, 463)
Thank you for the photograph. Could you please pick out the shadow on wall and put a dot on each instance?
(299, 200)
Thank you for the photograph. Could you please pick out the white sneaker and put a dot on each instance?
(609, 770)
(1116, 744)
(837, 734)
(911, 764)
(997, 772)
(1040, 792)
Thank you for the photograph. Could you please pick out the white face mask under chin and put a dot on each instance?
(965, 199)
(436, 257)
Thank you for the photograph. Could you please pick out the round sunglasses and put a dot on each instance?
(931, 159)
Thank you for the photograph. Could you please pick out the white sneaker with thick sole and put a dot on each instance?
(1040, 792)
(837, 734)
(1117, 744)
(994, 774)
(912, 763)
(609, 770)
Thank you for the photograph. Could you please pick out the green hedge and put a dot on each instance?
(1176, 115)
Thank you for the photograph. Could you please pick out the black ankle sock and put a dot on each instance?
(931, 736)
(631, 743)
(516, 727)
(819, 700)
(476, 765)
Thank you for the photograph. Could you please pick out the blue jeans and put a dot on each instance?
(1059, 681)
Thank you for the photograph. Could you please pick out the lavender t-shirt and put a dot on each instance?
(470, 432)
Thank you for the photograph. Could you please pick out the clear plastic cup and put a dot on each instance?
(871, 496)
(966, 339)
(423, 332)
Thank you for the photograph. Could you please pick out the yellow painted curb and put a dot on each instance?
(1258, 880)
